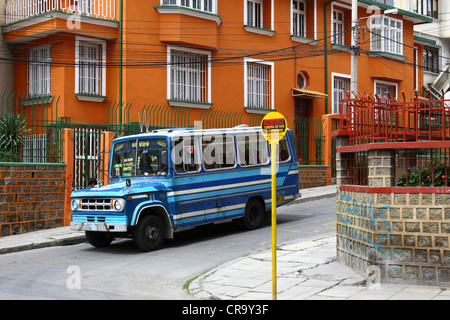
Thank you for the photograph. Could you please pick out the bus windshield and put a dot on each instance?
(140, 158)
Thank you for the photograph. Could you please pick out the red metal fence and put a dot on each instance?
(417, 131)
(371, 119)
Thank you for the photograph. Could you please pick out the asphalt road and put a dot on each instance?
(122, 271)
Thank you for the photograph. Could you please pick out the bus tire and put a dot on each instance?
(254, 215)
(99, 239)
(150, 233)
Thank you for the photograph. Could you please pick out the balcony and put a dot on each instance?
(18, 10)
(28, 20)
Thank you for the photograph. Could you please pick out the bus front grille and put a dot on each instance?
(96, 204)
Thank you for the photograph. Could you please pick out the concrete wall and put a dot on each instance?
(31, 198)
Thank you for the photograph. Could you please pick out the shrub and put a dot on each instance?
(12, 130)
(433, 175)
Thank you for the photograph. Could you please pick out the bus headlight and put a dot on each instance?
(118, 204)
(74, 204)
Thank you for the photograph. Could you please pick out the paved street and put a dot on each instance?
(123, 272)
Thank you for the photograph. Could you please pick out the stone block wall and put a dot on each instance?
(404, 232)
(406, 235)
(32, 197)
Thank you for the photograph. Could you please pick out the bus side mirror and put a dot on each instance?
(128, 182)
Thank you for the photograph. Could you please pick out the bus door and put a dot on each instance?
(187, 183)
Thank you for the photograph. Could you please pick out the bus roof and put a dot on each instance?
(174, 132)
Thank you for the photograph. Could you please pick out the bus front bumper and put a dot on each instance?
(98, 226)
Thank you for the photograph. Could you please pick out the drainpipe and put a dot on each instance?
(120, 61)
(326, 54)
(354, 58)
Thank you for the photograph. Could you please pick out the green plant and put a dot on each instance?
(12, 130)
(434, 174)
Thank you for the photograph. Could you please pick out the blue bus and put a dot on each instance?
(168, 180)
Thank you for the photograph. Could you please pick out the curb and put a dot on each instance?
(312, 198)
(46, 243)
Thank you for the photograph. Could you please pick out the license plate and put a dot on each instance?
(92, 227)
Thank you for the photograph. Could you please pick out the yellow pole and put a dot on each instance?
(273, 127)
(273, 148)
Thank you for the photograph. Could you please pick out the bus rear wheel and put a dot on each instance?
(254, 215)
(150, 233)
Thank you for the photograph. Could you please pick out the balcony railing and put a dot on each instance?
(17, 10)
(373, 119)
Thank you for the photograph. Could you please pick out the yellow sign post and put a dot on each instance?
(273, 127)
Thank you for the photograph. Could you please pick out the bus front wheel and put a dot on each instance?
(254, 215)
(99, 239)
(150, 233)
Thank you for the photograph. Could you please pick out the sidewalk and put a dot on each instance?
(40, 239)
(305, 271)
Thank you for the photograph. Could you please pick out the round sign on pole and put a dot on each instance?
(274, 126)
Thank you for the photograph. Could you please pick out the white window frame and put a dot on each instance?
(377, 83)
(386, 37)
(338, 91)
(382, 115)
(101, 72)
(271, 64)
(254, 22)
(304, 79)
(171, 97)
(298, 28)
(337, 28)
(201, 5)
(39, 71)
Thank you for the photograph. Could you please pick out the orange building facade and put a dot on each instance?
(245, 57)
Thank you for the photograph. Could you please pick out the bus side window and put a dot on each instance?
(283, 150)
(186, 158)
(252, 149)
(218, 152)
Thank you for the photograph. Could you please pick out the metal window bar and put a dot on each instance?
(189, 76)
(259, 86)
(89, 68)
(35, 148)
(426, 167)
(39, 60)
(87, 154)
(17, 10)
